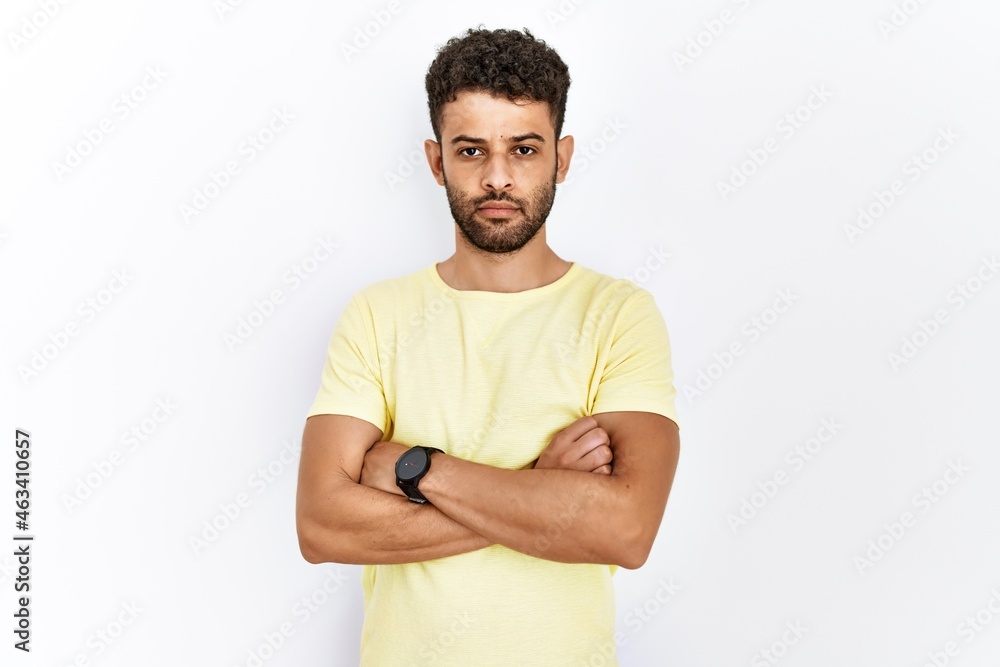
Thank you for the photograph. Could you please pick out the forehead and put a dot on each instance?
(479, 114)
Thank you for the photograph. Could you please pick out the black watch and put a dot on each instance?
(411, 466)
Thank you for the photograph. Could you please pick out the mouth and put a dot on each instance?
(498, 210)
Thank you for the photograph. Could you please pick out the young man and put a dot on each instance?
(495, 434)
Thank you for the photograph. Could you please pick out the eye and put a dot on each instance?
(468, 148)
(528, 148)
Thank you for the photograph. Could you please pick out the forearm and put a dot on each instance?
(561, 515)
(362, 525)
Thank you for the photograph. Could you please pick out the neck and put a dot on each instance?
(534, 265)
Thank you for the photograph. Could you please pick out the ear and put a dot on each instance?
(564, 153)
(433, 151)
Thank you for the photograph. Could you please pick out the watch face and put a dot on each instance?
(411, 463)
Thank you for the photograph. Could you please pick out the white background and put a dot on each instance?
(684, 127)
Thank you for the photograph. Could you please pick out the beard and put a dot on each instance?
(501, 235)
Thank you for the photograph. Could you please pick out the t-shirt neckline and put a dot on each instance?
(555, 285)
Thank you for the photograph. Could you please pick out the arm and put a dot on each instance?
(563, 515)
(339, 520)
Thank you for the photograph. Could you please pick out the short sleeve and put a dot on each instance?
(350, 382)
(638, 374)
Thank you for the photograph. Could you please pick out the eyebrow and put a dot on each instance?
(513, 140)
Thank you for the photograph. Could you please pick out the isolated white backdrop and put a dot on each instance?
(663, 133)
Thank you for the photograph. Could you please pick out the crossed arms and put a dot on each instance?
(596, 495)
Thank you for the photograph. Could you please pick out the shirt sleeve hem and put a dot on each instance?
(632, 406)
(326, 408)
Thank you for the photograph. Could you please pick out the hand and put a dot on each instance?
(379, 468)
(583, 445)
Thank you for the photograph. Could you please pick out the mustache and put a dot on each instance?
(504, 198)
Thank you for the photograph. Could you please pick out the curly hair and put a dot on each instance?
(504, 63)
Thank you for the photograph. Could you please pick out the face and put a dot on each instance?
(499, 163)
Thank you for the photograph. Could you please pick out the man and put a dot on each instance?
(495, 434)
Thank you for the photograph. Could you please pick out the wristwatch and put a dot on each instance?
(411, 466)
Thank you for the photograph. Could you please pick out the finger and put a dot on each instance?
(590, 441)
(603, 470)
(599, 456)
(579, 427)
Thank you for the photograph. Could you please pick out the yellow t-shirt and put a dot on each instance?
(492, 377)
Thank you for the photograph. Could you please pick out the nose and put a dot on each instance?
(498, 175)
